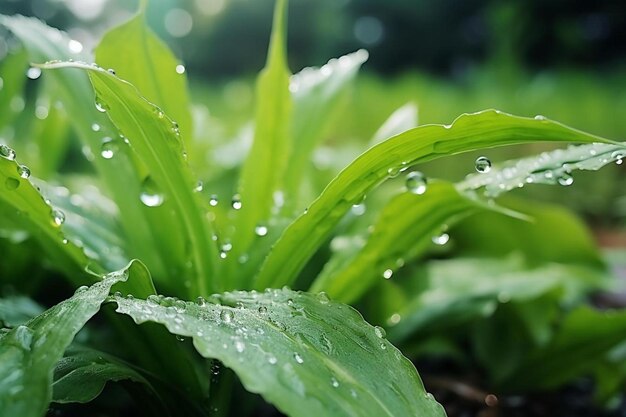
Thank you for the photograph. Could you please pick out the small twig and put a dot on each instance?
(462, 389)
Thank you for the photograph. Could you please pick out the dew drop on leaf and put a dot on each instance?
(380, 332)
(298, 358)
(199, 186)
(180, 338)
(227, 316)
(387, 273)
(111, 71)
(150, 195)
(272, 360)
(323, 298)
(58, 217)
(416, 182)
(236, 202)
(33, 73)
(540, 117)
(441, 239)
(262, 310)
(109, 148)
(7, 152)
(565, 179)
(240, 346)
(482, 164)
(200, 301)
(180, 69)
(81, 289)
(11, 183)
(261, 230)
(213, 200)
(95, 127)
(334, 382)
(618, 156)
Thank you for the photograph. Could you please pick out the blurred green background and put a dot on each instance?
(563, 59)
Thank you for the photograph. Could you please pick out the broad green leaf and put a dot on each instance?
(303, 353)
(263, 172)
(583, 340)
(122, 176)
(404, 230)
(80, 376)
(547, 168)
(456, 291)
(17, 310)
(28, 209)
(153, 69)
(168, 187)
(468, 132)
(317, 97)
(29, 352)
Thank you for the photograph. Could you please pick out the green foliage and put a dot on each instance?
(525, 268)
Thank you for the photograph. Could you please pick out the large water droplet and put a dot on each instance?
(58, 217)
(7, 152)
(23, 171)
(261, 230)
(236, 202)
(416, 182)
(100, 105)
(180, 69)
(150, 195)
(227, 316)
(109, 148)
(380, 332)
(565, 179)
(483, 164)
(33, 73)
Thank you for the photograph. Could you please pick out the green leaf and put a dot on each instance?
(403, 230)
(29, 352)
(177, 218)
(17, 310)
(80, 376)
(121, 174)
(317, 97)
(403, 119)
(547, 168)
(263, 171)
(303, 353)
(153, 69)
(28, 209)
(582, 341)
(468, 132)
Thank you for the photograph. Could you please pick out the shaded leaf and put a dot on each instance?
(301, 352)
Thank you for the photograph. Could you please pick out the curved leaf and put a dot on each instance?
(403, 230)
(154, 70)
(29, 352)
(468, 132)
(303, 353)
(177, 219)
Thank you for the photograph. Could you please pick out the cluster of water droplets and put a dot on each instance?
(553, 167)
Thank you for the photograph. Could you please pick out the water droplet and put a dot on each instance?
(101, 106)
(387, 273)
(441, 240)
(180, 69)
(482, 164)
(395, 319)
(74, 46)
(153, 300)
(240, 346)
(33, 73)
(109, 148)
(150, 194)
(180, 338)
(383, 346)
(540, 117)
(65, 241)
(261, 230)
(213, 200)
(200, 301)
(81, 289)
(95, 127)
(298, 358)
(58, 217)
(272, 360)
(323, 298)
(23, 171)
(358, 209)
(380, 332)
(111, 71)
(416, 182)
(236, 202)
(199, 186)
(7, 152)
(618, 156)
(334, 382)
(262, 310)
(565, 179)
(227, 316)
